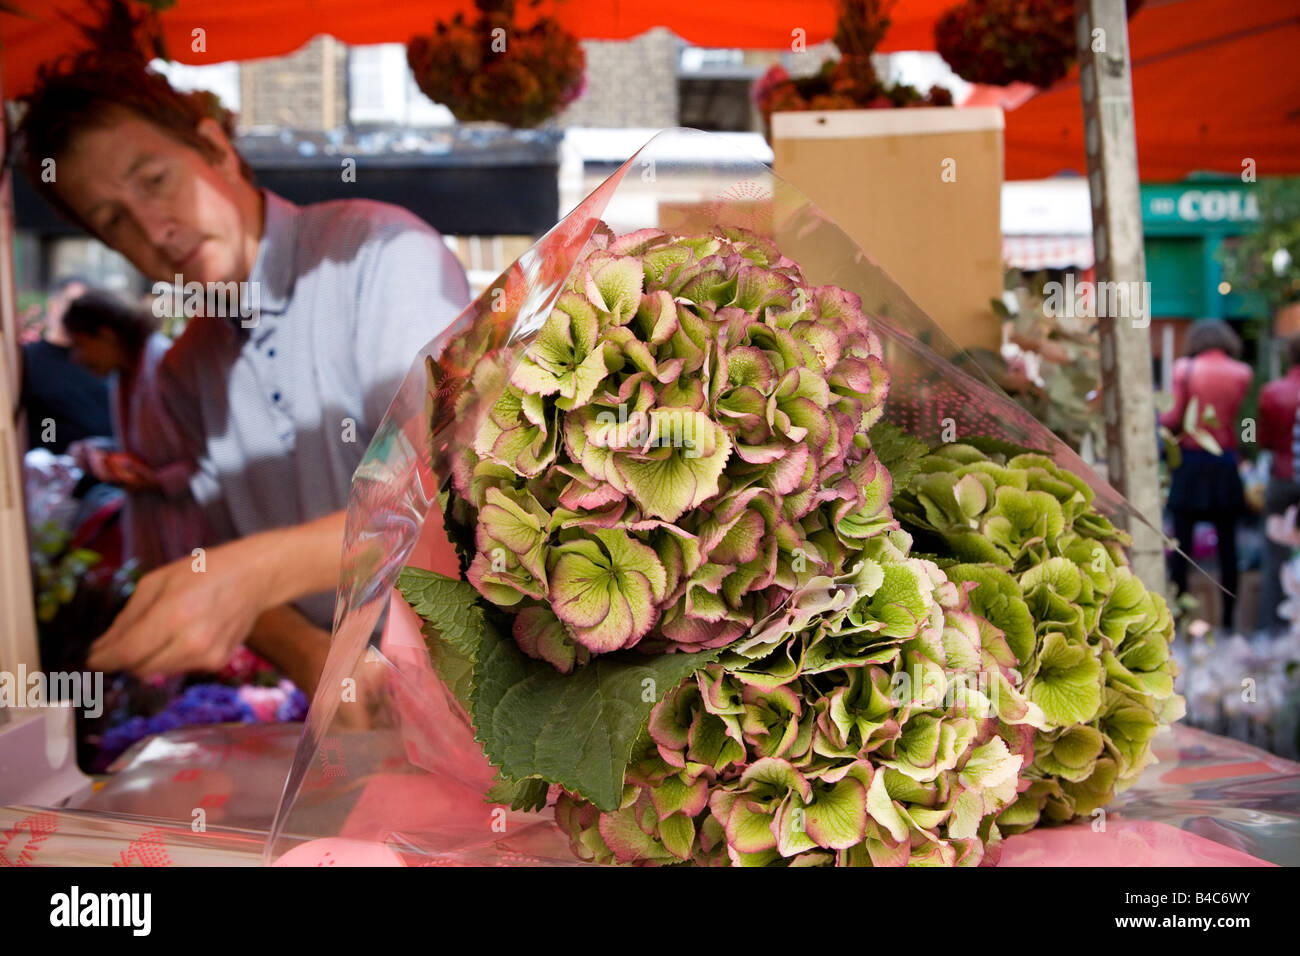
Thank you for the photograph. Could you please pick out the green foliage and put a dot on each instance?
(58, 571)
(536, 724)
(1249, 262)
(898, 451)
(577, 729)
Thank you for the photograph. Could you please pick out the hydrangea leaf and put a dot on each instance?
(576, 730)
(453, 625)
(527, 794)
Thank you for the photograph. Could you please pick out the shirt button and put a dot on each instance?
(270, 353)
(275, 396)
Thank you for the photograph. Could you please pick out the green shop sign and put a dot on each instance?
(1192, 208)
(1184, 225)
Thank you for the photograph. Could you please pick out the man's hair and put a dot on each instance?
(97, 310)
(86, 91)
(1207, 334)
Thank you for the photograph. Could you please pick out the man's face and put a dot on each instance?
(161, 203)
(101, 352)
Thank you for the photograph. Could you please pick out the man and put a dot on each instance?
(63, 402)
(346, 293)
(1278, 403)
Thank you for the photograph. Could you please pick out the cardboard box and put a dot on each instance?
(920, 190)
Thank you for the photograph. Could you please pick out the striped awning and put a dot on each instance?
(1031, 253)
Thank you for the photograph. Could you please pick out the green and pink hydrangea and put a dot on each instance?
(1053, 573)
(669, 456)
(688, 458)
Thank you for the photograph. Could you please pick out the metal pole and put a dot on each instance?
(1121, 295)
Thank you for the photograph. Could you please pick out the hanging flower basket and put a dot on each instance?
(1000, 42)
(493, 69)
(849, 82)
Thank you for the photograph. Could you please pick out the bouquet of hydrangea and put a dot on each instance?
(724, 598)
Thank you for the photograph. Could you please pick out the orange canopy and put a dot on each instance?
(1215, 82)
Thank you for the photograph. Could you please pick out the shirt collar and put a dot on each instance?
(274, 269)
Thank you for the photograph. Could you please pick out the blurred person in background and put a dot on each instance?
(1279, 401)
(64, 402)
(1207, 486)
(162, 520)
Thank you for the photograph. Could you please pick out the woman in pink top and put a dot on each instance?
(1206, 486)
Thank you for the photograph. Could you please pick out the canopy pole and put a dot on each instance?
(1122, 295)
(17, 614)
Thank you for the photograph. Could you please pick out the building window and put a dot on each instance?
(383, 91)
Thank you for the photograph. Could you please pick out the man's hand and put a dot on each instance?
(182, 619)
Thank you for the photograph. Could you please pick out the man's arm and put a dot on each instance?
(299, 560)
(295, 646)
(193, 614)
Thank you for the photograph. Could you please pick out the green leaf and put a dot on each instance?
(1207, 441)
(576, 730)
(449, 605)
(1191, 415)
(454, 623)
(898, 451)
(527, 794)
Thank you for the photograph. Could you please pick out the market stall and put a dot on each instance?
(410, 787)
